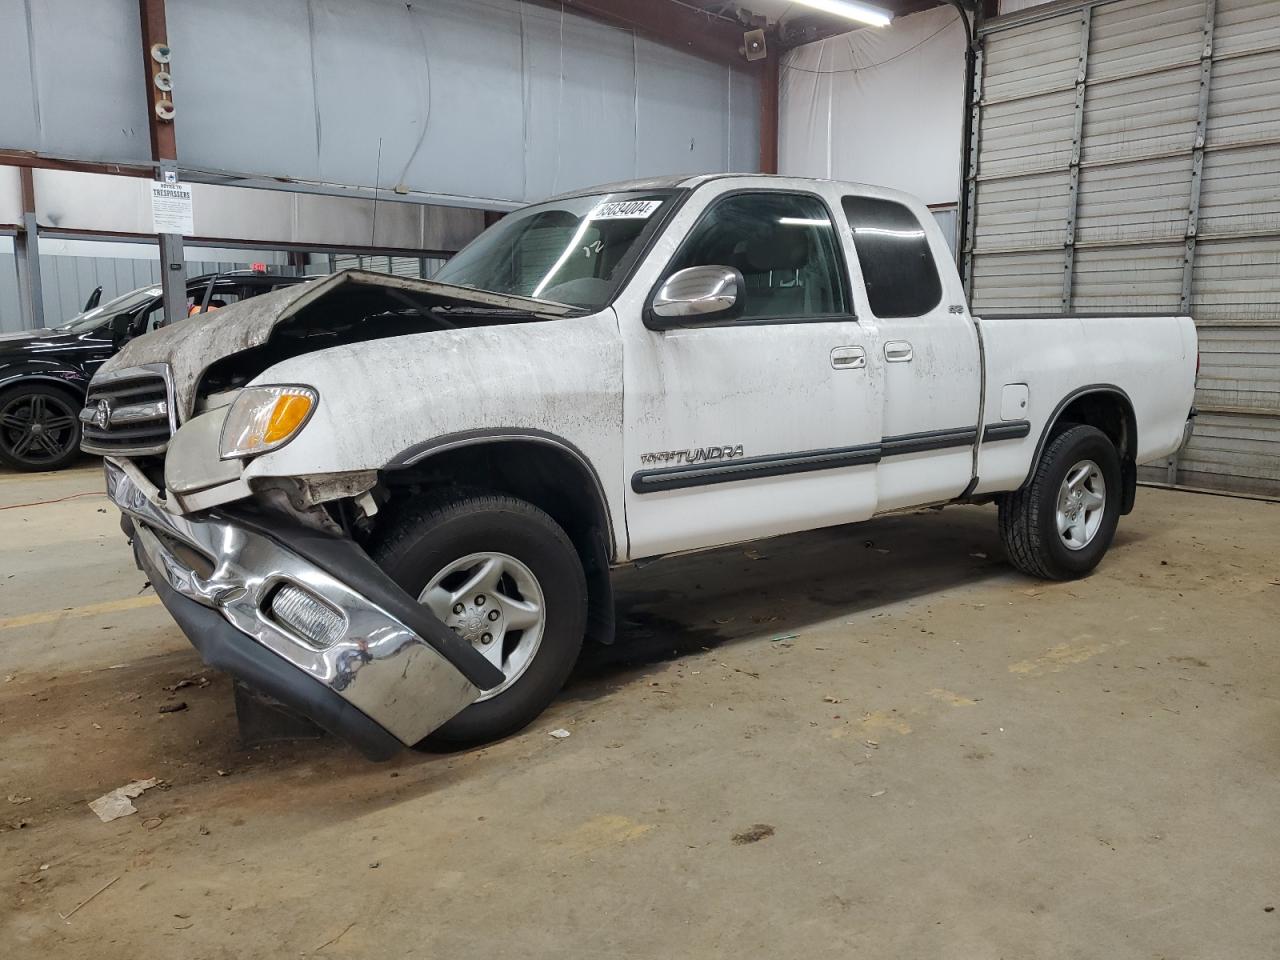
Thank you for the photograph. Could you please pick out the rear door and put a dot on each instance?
(761, 425)
(927, 351)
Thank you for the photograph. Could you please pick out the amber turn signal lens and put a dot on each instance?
(286, 417)
(264, 418)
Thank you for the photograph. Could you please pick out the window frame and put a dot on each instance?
(842, 264)
(862, 272)
(672, 203)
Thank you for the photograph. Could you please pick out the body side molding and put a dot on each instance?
(804, 461)
(746, 468)
(929, 440)
(1006, 430)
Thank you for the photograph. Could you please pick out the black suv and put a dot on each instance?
(44, 373)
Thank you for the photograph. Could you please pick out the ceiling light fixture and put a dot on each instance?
(861, 12)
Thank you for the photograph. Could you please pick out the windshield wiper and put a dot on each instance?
(473, 310)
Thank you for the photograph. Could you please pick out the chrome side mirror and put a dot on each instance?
(696, 295)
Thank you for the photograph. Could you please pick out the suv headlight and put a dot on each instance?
(264, 418)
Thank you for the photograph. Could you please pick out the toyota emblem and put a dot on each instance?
(102, 416)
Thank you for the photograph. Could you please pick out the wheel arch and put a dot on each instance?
(1108, 408)
(541, 468)
(16, 380)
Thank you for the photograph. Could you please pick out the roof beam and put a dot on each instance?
(670, 24)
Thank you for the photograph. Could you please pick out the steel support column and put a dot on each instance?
(26, 247)
(970, 186)
(1077, 134)
(970, 64)
(769, 96)
(164, 150)
(1197, 178)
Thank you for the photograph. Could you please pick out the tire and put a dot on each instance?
(1030, 517)
(430, 538)
(55, 444)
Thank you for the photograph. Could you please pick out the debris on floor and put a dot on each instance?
(116, 804)
(173, 707)
(15, 798)
(68, 916)
(195, 681)
(560, 733)
(754, 833)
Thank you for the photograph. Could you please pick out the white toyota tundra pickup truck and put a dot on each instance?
(393, 505)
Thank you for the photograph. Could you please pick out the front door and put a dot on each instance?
(928, 352)
(765, 424)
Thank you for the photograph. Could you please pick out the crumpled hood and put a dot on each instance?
(190, 346)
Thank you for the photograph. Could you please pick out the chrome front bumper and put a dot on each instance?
(378, 664)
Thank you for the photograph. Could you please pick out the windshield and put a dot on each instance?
(576, 251)
(121, 304)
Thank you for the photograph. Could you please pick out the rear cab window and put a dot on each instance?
(898, 268)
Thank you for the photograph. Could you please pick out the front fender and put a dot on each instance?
(383, 397)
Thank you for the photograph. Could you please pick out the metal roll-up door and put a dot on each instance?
(1126, 157)
(420, 267)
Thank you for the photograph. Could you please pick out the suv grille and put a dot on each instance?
(129, 413)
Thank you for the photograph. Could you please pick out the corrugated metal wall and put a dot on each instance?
(1128, 159)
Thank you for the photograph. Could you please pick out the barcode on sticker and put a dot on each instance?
(626, 210)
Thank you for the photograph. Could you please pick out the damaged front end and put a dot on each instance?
(266, 576)
(303, 616)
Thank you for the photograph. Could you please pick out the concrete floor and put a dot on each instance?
(940, 759)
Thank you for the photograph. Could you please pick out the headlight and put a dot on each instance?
(264, 418)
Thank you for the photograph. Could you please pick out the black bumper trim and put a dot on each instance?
(223, 647)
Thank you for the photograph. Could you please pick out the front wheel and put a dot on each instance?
(504, 576)
(39, 428)
(1060, 524)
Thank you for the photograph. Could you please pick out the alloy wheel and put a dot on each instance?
(37, 429)
(494, 602)
(1082, 502)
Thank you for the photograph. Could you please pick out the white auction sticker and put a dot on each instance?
(626, 210)
(171, 208)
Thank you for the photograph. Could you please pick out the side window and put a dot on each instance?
(149, 320)
(897, 265)
(783, 244)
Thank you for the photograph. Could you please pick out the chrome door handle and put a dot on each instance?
(897, 351)
(848, 358)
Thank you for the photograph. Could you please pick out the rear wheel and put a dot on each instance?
(505, 577)
(1060, 524)
(39, 428)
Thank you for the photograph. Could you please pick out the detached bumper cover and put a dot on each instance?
(393, 675)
